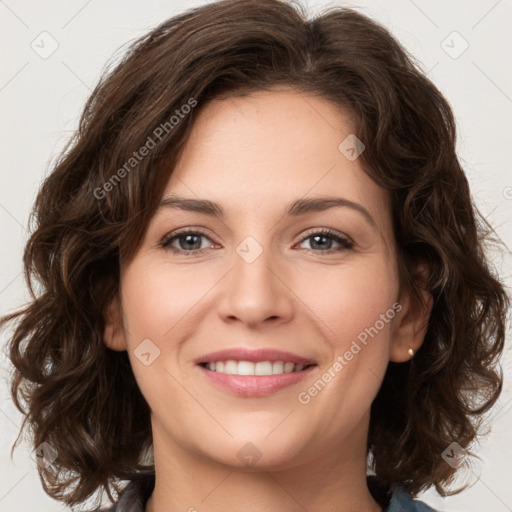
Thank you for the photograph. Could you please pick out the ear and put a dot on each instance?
(410, 325)
(113, 334)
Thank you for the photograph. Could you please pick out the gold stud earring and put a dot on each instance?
(411, 352)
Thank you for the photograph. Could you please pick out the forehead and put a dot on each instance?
(271, 148)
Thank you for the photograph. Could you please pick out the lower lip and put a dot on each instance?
(254, 385)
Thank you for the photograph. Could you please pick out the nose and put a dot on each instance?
(256, 293)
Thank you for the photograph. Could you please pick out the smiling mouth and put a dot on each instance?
(249, 368)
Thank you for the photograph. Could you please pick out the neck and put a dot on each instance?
(333, 480)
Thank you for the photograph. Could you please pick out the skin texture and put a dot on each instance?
(254, 156)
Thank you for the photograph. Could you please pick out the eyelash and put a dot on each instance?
(345, 243)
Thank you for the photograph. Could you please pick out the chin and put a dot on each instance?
(253, 453)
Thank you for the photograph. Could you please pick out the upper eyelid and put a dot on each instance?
(185, 231)
(327, 231)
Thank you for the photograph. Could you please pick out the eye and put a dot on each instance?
(322, 241)
(190, 241)
(186, 242)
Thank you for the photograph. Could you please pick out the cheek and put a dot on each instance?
(356, 307)
(156, 299)
(352, 299)
(162, 305)
(356, 319)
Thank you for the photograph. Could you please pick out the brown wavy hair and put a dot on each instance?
(81, 397)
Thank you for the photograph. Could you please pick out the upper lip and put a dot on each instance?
(255, 356)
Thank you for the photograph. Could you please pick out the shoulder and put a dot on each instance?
(402, 501)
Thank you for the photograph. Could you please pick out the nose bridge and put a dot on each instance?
(254, 291)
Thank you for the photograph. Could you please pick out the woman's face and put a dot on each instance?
(289, 258)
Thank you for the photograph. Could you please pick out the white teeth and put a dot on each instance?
(245, 368)
(263, 368)
(231, 367)
(249, 368)
(278, 367)
(288, 367)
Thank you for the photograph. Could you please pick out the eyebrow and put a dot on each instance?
(293, 209)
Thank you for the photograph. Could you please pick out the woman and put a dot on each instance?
(262, 275)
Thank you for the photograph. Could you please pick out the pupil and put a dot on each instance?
(189, 240)
(321, 244)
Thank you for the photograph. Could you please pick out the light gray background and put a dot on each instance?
(41, 98)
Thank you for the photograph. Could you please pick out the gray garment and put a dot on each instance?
(402, 501)
(134, 497)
